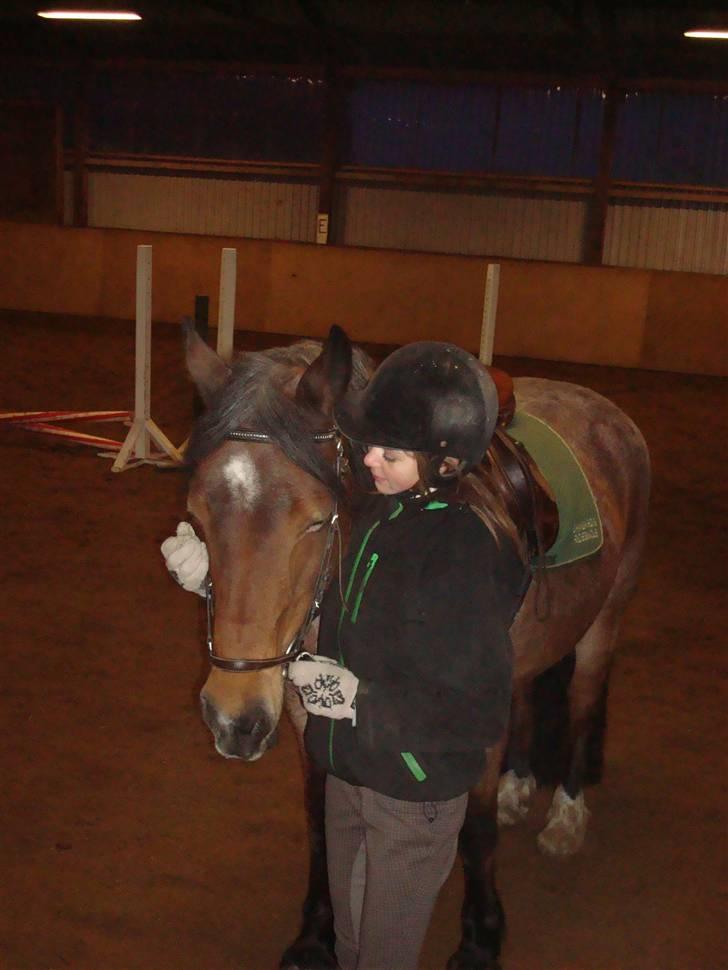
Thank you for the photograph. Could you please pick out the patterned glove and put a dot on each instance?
(325, 687)
(185, 556)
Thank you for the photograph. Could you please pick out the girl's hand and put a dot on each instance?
(325, 687)
(185, 556)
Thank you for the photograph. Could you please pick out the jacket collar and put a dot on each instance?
(413, 501)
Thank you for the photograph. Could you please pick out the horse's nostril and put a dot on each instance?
(209, 712)
(251, 728)
(245, 736)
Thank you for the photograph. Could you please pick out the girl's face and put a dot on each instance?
(393, 470)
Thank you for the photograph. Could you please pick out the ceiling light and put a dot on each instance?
(88, 15)
(708, 33)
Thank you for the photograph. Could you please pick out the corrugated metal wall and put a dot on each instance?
(679, 237)
(207, 206)
(471, 224)
(692, 239)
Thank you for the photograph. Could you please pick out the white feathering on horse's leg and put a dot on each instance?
(566, 826)
(514, 797)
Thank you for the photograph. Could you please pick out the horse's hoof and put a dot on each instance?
(514, 797)
(308, 956)
(566, 827)
(468, 959)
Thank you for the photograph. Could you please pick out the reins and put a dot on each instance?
(295, 647)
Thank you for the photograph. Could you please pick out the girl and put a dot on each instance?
(420, 686)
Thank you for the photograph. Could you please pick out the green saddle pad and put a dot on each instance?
(580, 527)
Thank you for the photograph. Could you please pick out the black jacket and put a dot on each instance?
(429, 597)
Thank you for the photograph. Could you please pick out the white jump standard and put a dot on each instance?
(490, 309)
(226, 307)
(136, 449)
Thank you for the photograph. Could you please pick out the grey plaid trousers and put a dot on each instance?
(387, 861)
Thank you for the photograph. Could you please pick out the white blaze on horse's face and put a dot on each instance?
(243, 479)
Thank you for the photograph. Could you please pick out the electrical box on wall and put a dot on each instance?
(322, 228)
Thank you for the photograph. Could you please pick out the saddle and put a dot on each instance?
(525, 492)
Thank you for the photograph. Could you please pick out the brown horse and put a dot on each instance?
(267, 504)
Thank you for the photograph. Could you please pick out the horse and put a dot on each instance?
(266, 495)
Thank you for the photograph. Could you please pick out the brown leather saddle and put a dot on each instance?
(527, 496)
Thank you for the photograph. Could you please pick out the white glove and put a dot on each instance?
(185, 556)
(325, 687)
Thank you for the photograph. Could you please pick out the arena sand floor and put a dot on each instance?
(129, 844)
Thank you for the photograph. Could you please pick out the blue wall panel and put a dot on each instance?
(672, 138)
(550, 131)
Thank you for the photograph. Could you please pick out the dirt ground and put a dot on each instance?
(129, 844)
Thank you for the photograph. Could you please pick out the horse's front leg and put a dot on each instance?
(313, 948)
(483, 918)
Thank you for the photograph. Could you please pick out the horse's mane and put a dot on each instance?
(253, 399)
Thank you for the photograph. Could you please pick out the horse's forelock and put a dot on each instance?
(253, 399)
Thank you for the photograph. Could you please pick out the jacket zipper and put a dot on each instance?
(352, 577)
(373, 559)
(345, 607)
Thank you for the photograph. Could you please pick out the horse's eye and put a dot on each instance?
(316, 526)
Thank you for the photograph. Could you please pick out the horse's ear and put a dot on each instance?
(326, 380)
(208, 371)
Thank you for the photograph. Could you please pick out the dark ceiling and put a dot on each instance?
(604, 38)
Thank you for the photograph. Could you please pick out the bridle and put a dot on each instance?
(295, 647)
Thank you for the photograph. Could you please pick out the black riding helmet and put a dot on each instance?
(429, 397)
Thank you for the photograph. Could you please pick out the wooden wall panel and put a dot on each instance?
(182, 267)
(382, 297)
(576, 313)
(599, 315)
(686, 325)
(52, 270)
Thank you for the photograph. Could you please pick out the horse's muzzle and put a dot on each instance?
(246, 736)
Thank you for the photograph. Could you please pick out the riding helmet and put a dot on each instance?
(428, 396)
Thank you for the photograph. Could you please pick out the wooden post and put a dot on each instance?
(329, 156)
(596, 220)
(143, 353)
(137, 445)
(226, 309)
(80, 146)
(59, 170)
(490, 309)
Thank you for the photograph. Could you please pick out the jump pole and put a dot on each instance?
(490, 309)
(136, 448)
(47, 423)
(226, 307)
